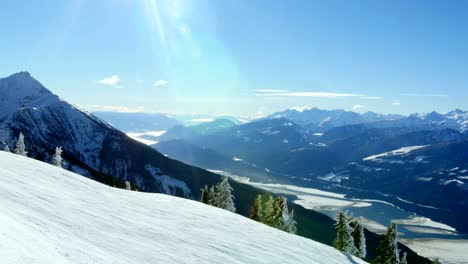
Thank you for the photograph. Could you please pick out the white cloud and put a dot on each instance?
(309, 94)
(160, 83)
(271, 91)
(424, 95)
(372, 97)
(201, 120)
(114, 80)
(358, 107)
(396, 103)
(112, 108)
(301, 108)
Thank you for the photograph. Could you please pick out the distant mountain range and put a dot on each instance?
(313, 147)
(318, 120)
(138, 122)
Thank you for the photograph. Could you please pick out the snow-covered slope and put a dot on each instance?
(50, 215)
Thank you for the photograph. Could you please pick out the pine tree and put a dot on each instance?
(128, 186)
(275, 217)
(387, 251)
(212, 196)
(291, 227)
(344, 241)
(256, 209)
(286, 220)
(403, 259)
(223, 196)
(6, 148)
(395, 252)
(359, 240)
(20, 147)
(276, 214)
(205, 195)
(57, 157)
(268, 212)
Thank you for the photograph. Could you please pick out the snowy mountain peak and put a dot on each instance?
(22, 90)
(22, 74)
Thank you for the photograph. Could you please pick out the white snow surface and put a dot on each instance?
(50, 215)
(138, 136)
(142, 140)
(446, 250)
(424, 221)
(400, 151)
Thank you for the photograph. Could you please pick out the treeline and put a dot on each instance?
(350, 239)
(20, 149)
(273, 212)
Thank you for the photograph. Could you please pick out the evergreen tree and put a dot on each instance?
(359, 240)
(395, 252)
(128, 186)
(20, 147)
(291, 227)
(403, 259)
(223, 196)
(387, 251)
(57, 157)
(274, 214)
(344, 241)
(268, 212)
(6, 148)
(286, 220)
(256, 209)
(205, 195)
(212, 196)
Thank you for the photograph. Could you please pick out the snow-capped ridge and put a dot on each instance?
(22, 90)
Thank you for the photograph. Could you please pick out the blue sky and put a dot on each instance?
(238, 57)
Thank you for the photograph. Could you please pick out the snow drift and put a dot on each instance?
(50, 215)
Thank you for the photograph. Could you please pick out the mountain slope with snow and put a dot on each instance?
(50, 215)
(20, 90)
(320, 120)
(91, 146)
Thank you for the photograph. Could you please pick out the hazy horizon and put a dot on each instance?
(245, 58)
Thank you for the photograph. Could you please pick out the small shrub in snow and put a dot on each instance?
(128, 186)
(6, 148)
(57, 157)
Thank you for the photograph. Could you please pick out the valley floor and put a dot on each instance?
(426, 237)
(446, 250)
